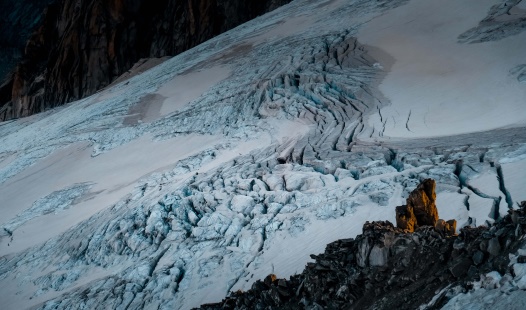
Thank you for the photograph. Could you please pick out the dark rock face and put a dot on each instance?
(82, 46)
(18, 19)
(389, 268)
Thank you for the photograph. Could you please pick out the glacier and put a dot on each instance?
(242, 156)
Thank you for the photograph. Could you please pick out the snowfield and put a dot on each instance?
(438, 87)
(244, 155)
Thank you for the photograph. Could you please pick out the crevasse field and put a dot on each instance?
(244, 155)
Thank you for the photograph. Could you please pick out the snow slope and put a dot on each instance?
(438, 86)
(246, 154)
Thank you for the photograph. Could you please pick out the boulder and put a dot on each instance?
(379, 256)
(270, 279)
(460, 267)
(494, 246)
(440, 225)
(478, 257)
(449, 228)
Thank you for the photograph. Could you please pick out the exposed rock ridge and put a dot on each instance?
(421, 210)
(389, 268)
(82, 46)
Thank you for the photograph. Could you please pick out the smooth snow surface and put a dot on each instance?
(438, 86)
(514, 173)
(188, 87)
(244, 155)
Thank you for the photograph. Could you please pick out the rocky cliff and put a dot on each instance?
(18, 19)
(81, 46)
(388, 267)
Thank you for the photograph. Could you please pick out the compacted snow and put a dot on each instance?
(244, 155)
(437, 86)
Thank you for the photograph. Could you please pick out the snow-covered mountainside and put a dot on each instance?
(244, 155)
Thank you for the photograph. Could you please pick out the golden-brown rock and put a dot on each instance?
(405, 218)
(452, 227)
(449, 228)
(420, 209)
(422, 200)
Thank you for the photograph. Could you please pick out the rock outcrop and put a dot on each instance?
(420, 209)
(82, 46)
(422, 201)
(390, 268)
